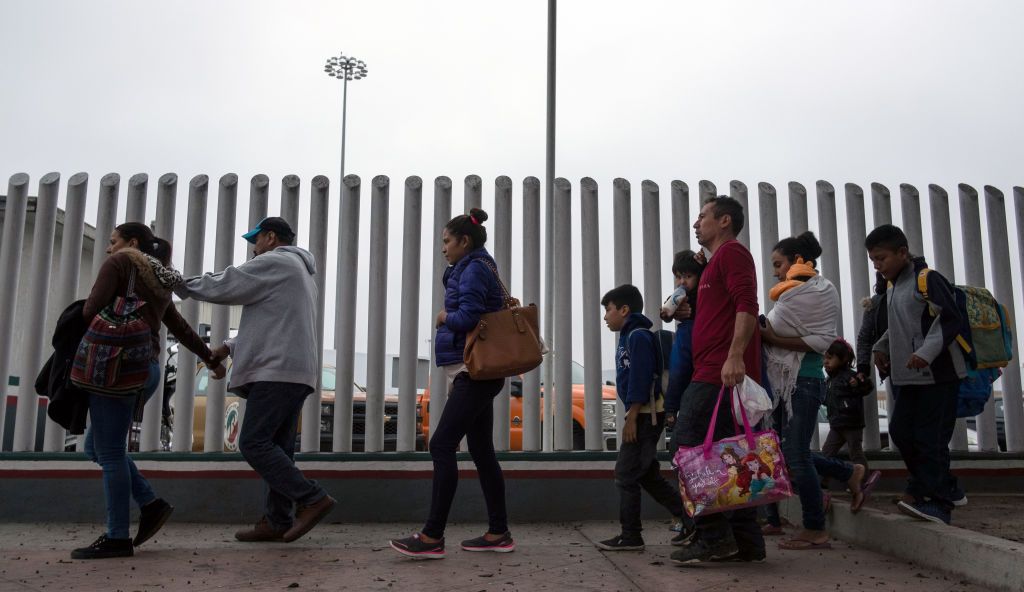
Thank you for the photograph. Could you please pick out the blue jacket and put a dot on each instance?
(470, 290)
(636, 361)
(680, 366)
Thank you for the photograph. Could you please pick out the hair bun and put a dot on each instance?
(811, 248)
(480, 215)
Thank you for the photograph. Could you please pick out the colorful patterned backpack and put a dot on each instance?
(114, 356)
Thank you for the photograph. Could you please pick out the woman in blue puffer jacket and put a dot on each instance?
(471, 289)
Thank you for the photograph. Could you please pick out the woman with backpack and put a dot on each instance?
(471, 289)
(138, 267)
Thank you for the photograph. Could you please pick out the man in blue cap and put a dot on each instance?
(274, 368)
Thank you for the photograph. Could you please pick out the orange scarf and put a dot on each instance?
(797, 270)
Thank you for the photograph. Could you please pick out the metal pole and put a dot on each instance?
(38, 291)
(184, 388)
(290, 202)
(942, 246)
(563, 321)
(999, 253)
(185, 383)
(138, 187)
(503, 258)
(768, 205)
(106, 216)
(706, 190)
(549, 226)
(623, 237)
(680, 216)
(408, 359)
(860, 279)
(472, 196)
(259, 195)
(881, 213)
(224, 247)
(592, 390)
(345, 311)
(738, 191)
(970, 216)
(829, 239)
(651, 218)
(344, 117)
(531, 295)
(798, 221)
(910, 204)
(442, 213)
(881, 205)
(166, 197)
(377, 315)
(69, 270)
(320, 191)
(10, 268)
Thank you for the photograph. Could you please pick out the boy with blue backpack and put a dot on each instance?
(921, 354)
(638, 366)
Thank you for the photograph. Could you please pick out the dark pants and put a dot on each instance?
(636, 466)
(696, 407)
(921, 426)
(854, 440)
(267, 443)
(469, 413)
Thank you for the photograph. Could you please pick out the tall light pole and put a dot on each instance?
(344, 68)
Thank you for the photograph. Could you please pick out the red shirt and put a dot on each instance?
(727, 286)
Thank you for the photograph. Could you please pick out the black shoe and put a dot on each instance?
(699, 551)
(416, 548)
(152, 518)
(931, 511)
(105, 548)
(744, 556)
(503, 545)
(621, 543)
(685, 537)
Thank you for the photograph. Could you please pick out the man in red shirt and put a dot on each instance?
(726, 347)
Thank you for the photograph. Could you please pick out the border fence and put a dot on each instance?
(547, 421)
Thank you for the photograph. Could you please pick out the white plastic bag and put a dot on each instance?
(754, 398)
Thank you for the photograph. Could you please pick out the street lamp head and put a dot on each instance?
(345, 67)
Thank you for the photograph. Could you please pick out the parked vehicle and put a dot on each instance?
(579, 423)
(232, 414)
(883, 428)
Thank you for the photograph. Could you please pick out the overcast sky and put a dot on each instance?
(895, 92)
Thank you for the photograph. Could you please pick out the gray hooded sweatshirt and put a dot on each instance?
(276, 339)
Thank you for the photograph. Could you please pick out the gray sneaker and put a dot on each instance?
(699, 551)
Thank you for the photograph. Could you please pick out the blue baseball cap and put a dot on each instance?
(273, 224)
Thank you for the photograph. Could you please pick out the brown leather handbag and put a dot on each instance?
(504, 343)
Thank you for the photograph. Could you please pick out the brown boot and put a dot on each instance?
(263, 532)
(307, 517)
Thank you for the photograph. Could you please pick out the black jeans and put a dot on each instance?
(695, 411)
(467, 413)
(636, 466)
(267, 443)
(921, 426)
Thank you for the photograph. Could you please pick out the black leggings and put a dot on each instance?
(467, 413)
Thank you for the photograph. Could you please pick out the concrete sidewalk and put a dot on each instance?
(356, 557)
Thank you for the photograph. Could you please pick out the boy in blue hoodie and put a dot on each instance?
(637, 365)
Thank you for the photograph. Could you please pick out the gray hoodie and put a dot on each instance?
(276, 339)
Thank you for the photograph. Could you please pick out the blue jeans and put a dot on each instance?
(796, 432)
(106, 445)
(267, 443)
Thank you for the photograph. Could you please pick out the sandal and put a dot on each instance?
(772, 530)
(865, 490)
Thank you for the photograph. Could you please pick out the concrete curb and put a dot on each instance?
(980, 558)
